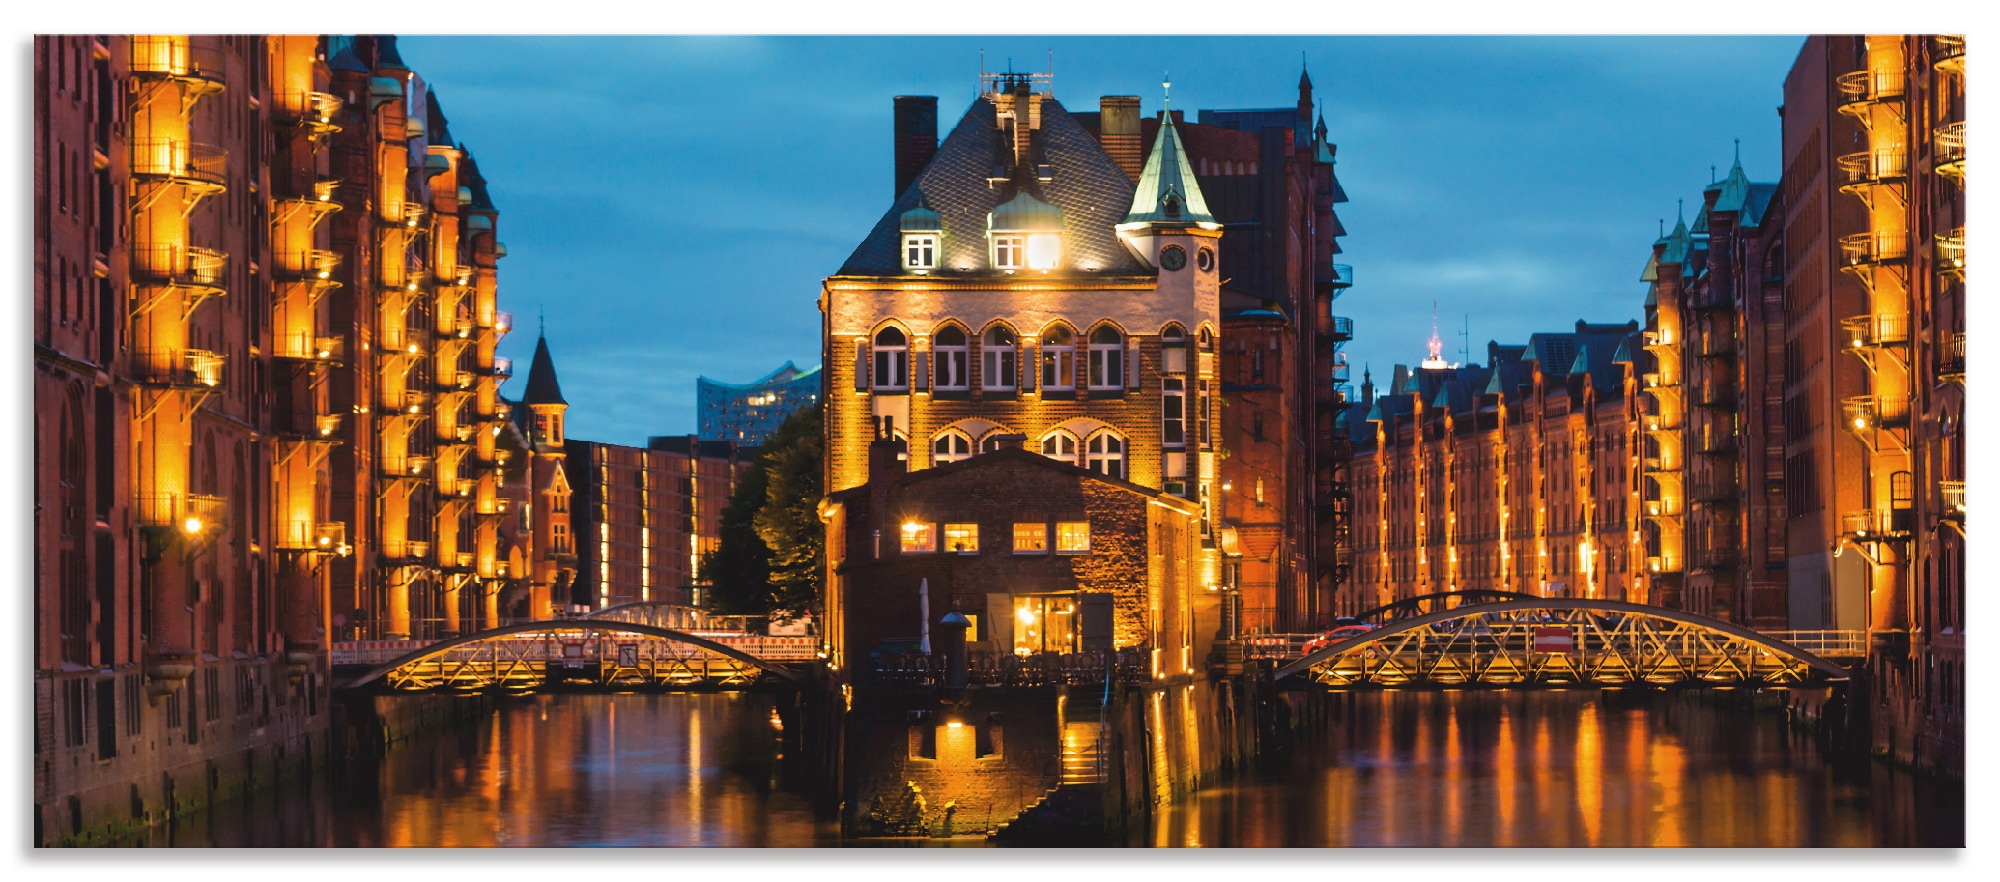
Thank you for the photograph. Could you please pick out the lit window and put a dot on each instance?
(1173, 412)
(892, 353)
(1107, 359)
(1059, 359)
(1031, 538)
(950, 446)
(962, 538)
(1073, 537)
(919, 252)
(1106, 455)
(1060, 446)
(1044, 251)
(996, 360)
(919, 538)
(1008, 251)
(950, 349)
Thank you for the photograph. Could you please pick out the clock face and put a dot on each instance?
(1205, 258)
(1173, 258)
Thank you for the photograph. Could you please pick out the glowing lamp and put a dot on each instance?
(954, 724)
(1044, 250)
(911, 527)
(192, 525)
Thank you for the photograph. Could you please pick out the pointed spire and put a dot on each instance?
(1735, 186)
(1305, 81)
(1319, 130)
(1167, 192)
(542, 385)
(1436, 359)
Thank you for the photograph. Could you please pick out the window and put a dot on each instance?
(1008, 251)
(1044, 251)
(996, 360)
(1107, 359)
(1073, 537)
(1060, 446)
(991, 442)
(962, 538)
(950, 446)
(1173, 412)
(919, 538)
(1058, 359)
(1173, 350)
(919, 251)
(951, 350)
(1202, 414)
(1106, 455)
(892, 353)
(1031, 538)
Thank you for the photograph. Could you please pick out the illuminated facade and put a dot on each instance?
(1875, 303)
(1518, 475)
(264, 328)
(644, 516)
(747, 414)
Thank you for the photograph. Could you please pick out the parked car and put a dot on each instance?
(1335, 636)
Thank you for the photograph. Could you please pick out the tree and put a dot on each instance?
(738, 571)
(772, 550)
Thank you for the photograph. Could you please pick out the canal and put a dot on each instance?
(1570, 768)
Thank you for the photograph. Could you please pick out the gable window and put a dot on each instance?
(892, 360)
(1044, 251)
(1107, 359)
(1173, 412)
(950, 447)
(961, 538)
(919, 251)
(1059, 359)
(1009, 252)
(919, 538)
(1031, 538)
(1105, 454)
(1060, 446)
(996, 360)
(951, 350)
(1073, 537)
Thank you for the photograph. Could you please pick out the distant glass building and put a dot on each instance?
(746, 414)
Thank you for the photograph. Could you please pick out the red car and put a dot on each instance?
(1335, 636)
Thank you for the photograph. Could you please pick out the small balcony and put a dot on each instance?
(503, 367)
(411, 550)
(1343, 329)
(313, 536)
(1715, 491)
(305, 425)
(503, 322)
(309, 265)
(1716, 394)
(1866, 413)
(1871, 525)
(190, 513)
(498, 505)
(310, 110)
(412, 214)
(459, 561)
(1339, 275)
(457, 488)
(410, 401)
(1948, 53)
(1716, 344)
(1871, 249)
(184, 162)
(1951, 358)
(404, 466)
(1871, 331)
(1871, 167)
(177, 58)
(179, 265)
(1863, 87)
(177, 368)
(1951, 497)
(1950, 252)
(1340, 367)
(1713, 441)
(1948, 149)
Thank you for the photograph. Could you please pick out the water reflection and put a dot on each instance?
(1569, 768)
(592, 770)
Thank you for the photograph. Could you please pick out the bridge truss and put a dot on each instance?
(578, 652)
(1560, 641)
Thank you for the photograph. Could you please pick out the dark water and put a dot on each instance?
(1571, 768)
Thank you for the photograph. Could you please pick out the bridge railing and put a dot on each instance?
(1826, 644)
(994, 669)
(773, 649)
(1275, 645)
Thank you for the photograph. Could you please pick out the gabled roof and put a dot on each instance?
(1677, 243)
(1735, 189)
(1755, 203)
(469, 176)
(1167, 192)
(1084, 182)
(436, 127)
(1022, 455)
(542, 385)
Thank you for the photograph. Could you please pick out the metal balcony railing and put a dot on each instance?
(1867, 331)
(457, 487)
(1948, 147)
(312, 264)
(1343, 328)
(312, 109)
(180, 161)
(1948, 52)
(1715, 491)
(503, 322)
(305, 346)
(1866, 412)
(189, 513)
(179, 368)
(1951, 251)
(1876, 523)
(176, 57)
(308, 425)
(494, 506)
(413, 214)
(179, 265)
(1867, 249)
(1952, 495)
(411, 401)
(1716, 345)
(406, 549)
(406, 466)
(1864, 86)
(1874, 166)
(1340, 367)
(1951, 358)
(1341, 275)
(503, 367)
(329, 538)
(1715, 394)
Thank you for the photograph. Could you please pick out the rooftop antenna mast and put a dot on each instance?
(1465, 341)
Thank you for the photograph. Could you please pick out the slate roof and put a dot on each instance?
(542, 385)
(1092, 191)
(1755, 203)
(436, 127)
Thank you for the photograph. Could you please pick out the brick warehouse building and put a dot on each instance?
(264, 321)
(644, 516)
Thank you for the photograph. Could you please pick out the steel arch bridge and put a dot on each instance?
(1430, 603)
(591, 652)
(1551, 641)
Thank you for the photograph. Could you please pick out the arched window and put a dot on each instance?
(991, 442)
(1060, 446)
(1207, 340)
(1107, 358)
(1105, 454)
(1058, 359)
(950, 445)
(951, 349)
(892, 359)
(996, 360)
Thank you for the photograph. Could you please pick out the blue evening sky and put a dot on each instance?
(672, 203)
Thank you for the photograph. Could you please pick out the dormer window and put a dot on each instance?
(919, 252)
(1009, 251)
(1044, 251)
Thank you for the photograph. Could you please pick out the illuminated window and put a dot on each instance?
(1073, 537)
(1105, 454)
(1044, 251)
(996, 360)
(950, 446)
(961, 538)
(919, 251)
(1058, 359)
(1031, 538)
(892, 353)
(1107, 359)
(1060, 446)
(1173, 412)
(951, 353)
(1008, 251)
(919, 538)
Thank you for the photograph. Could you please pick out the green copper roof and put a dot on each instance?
(1167, 192)
(1677, 243)
(1735, 188)
(1624, 352)
(1652, 271)
(921, 217)
(1582, 363)
(1024, 213)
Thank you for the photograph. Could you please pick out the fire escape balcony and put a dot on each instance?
(1948, 53)
(1865, 413)
(462, 562)
(179, 266)
(177, 368)
(1716, 394)
(1951, 253)
(1716, 345)
(1874, 331)
(1713, 441)
(407, 552)
(455, 324)
(503, 367)
(457, 488)
(413, 214)
(309, 265)
(303, 346)
(318, 204)
(1715, 491)
(306, 425)
(203, 167)
(1876, 525)
(1862, 88)
(190, 513)
(1951, 496)
(1951, 359)
(1340, 367)
(498, 505)
(410, 466)
(1342, 329)
(1948, 149)
(313, 537)
(1339, 275)
(410, 401)
(1863, 251)
(1873, 168)
(197, 67)
(310, 110)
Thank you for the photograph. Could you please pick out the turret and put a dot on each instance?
(545, 401)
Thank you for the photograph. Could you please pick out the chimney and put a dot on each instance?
(1010, 442)
(1118, 132)
(916, 137)
(888, 458)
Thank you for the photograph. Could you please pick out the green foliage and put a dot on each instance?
(738, 571)
(772, 551)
